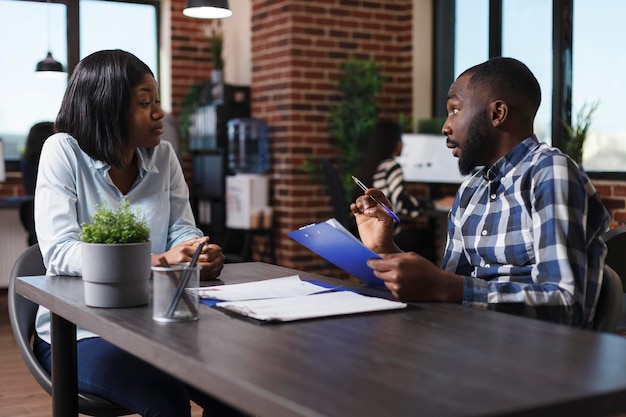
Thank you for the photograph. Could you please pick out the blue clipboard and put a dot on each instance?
(333, 242)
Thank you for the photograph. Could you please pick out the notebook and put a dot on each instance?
(337, 245)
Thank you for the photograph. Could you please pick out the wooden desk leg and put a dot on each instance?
(64, 367)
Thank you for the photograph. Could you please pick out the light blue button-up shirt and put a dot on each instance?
(70, 187)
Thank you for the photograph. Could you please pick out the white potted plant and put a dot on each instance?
(116, 251)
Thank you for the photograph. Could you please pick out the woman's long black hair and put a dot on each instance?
(95, 106)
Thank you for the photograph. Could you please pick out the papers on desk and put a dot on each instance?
(289, 299)
(310, 306)
(270, 288)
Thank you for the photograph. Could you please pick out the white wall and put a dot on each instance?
(422, 59)
(237, 49)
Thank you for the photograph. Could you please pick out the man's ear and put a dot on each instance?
(499, 110)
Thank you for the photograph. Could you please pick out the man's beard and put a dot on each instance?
(476, 144)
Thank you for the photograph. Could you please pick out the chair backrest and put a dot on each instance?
(338, 197)
(609, 308)
(615, 240)
(27, 217)
(22, 314)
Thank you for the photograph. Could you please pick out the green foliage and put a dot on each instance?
(114, 227)
(216, 41)
(431, 126)
(354, 116)
(191, 101)
(577, 132)
(405, 122)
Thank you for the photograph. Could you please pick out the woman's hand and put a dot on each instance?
(211, 258)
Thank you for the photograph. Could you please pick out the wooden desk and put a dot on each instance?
(428, 360)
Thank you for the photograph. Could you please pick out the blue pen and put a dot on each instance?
(387, 209)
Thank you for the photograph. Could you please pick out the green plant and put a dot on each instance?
(405, 122)
(190, 104)
(353, 117)
(431, 126)
(217, 40)
(115, 226)
(213, 32)
(577, 132)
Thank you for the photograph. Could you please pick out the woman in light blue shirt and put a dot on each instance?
(107, 148)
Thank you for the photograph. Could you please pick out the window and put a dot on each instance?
(532, 46)
(599, 66)
(588, 70)
(28, 98)
(471, 35)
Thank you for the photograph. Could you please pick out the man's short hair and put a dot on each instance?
(508, 79)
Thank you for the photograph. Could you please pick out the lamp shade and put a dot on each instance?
(49, 64)
(207, 9)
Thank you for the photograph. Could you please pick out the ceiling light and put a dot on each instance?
(49, 64)
(207, 9)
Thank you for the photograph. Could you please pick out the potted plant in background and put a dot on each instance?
(116, 257)
(577, 132)
(216, 39)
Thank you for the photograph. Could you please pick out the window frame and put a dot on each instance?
(562, 25)
(73, 43)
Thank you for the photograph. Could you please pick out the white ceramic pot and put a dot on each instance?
(116, 275)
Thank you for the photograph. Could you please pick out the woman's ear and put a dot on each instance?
(499, 110)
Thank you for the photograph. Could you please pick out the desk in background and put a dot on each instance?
(428, 360)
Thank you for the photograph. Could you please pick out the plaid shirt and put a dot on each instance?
(525, 236)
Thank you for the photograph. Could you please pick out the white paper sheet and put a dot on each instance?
(290, 286)
(310, 306)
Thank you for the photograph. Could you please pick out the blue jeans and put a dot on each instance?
(117, 376)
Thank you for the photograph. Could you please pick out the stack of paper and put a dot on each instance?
(289, 298)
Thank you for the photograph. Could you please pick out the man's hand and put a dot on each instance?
(374, 223)
(411, 277)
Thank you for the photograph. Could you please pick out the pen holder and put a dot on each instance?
(171, 299)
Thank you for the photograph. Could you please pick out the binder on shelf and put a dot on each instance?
(337, 245)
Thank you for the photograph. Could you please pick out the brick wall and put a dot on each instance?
(297, 47)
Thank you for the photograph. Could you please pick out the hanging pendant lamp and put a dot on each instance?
(49, 64)
(207, 9)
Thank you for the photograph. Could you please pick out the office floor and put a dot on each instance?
(20, 394)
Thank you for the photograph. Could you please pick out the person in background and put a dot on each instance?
(37, 135)
(524, 231)
(107, 148)
(381, 169)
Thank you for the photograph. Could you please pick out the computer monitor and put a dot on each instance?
(425, 158)
(209, 180)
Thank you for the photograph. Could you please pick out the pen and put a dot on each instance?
(184, 280)
(387, 209)
(163, 263)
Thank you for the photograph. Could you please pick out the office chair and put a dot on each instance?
(22, 314)
(615, 240)
(27, 218)
(609, 308)
(341, 207)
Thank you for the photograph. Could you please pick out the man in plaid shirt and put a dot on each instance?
(524, 230)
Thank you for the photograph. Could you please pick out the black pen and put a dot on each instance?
(387, 209)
